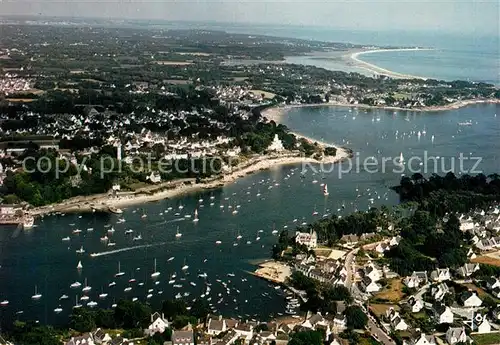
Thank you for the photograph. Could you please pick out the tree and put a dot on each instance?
(200, 309)
(306, 338)
(130, 314)
(82, 320)
(31, 334)
(171, 309)
(356, 318)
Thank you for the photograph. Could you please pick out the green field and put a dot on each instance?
(486, 339)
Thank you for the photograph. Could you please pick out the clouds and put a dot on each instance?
(448, 15)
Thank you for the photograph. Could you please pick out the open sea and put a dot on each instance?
(274, 199)
(454, 56)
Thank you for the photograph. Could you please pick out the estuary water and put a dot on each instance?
(274, 199)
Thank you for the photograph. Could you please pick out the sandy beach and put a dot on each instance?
(379, 70)
(172, 189)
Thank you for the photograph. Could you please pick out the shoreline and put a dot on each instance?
(380, 70)
(276, 113)
(168, 190)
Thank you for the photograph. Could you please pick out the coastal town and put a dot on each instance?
(94, 132)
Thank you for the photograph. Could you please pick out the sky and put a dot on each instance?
(468, 16)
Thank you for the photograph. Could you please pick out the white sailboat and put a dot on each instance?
(79, 266)
(119, 273)
(75, 285)
(76, 303)
(195, 216)
(103, 294)
(37, 295)
(137, 238)
(274, 232)
(401, 158)
(325, 190)
(155, 274)
(239, 236)
(81, 250)
(178, 234)
(185, 267)
(86, 287)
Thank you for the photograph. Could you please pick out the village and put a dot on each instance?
(442, 306)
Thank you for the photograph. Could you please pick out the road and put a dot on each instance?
(378, 333)
(375, 330)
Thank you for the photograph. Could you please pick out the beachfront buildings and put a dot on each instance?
(309, 239)
(276, 145)
(158, 324)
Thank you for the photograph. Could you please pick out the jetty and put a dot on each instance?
(273, 271)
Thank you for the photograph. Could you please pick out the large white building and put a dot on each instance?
(309, 239)
(276, 145)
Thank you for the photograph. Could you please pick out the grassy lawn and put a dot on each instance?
(420, 315)
(393, 292)
(379, 309)
(267, 95)
(486, 339)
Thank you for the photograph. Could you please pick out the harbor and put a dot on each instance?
(115, 252)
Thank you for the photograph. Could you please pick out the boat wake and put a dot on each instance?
(94, 255)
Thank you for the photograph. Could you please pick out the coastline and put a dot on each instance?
(382, 71)
(276, 113)
(102, 202)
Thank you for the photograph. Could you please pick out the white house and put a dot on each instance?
(216, 326)
(470, 299)
(382, 247)
(470, 254)
(442, 313)
(394, 241)
(467, 269)
(416, 279)
(340, 321)
(440, 275)
(398, 324)
(85, 339)
(421, 340)
(158, 324)
(309, 239)
(154, 177)
(438, 291)
(244, 330)
(456, 335)
(484, 326)
(182, 338)
(492, 283)
(100, 337)
(276, 145)
(372, 272)
(415, 304)
(368, 285)
(396, 321)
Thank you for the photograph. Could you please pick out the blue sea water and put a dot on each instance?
(269, 199)
(456, 56)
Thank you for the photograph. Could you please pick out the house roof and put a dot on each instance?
(245, 327)
(216, 325)
(182, 337)
(455, 332)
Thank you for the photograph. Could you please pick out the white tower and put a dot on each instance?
(119, 151)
